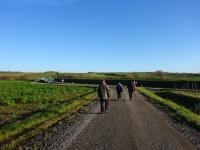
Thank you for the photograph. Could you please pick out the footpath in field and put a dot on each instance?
(128, 125)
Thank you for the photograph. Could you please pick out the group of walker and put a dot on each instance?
(104, 93)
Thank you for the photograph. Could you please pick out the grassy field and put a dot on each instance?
(146, 76)
(26, 109)
(180, 105)
(186, 98)
(190, 93)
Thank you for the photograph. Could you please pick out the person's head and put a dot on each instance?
(103, 81)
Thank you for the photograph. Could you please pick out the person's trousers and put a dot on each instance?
(104, 105)
(130, 92)
(119, 94)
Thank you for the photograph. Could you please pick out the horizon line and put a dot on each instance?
(76, 72)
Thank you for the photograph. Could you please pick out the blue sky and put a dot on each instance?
(100, 35)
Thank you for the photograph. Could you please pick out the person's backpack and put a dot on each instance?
(118, 88)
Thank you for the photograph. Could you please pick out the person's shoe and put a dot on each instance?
(106, 111)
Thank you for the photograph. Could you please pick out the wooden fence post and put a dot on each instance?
(192, 87)
(196, 88)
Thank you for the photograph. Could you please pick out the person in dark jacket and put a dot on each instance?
(131, 88)
(119, 89)
(104, 95)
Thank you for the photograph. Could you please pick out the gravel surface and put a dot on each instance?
(63, 132)
(192, 134)
(127, 125)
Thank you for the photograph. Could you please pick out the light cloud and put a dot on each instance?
(15, 3)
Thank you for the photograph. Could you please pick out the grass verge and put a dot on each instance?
(190, 102)
(180, 111)
(17, 133)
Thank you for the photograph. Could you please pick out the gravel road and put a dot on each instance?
(128, 125)
(135, 125)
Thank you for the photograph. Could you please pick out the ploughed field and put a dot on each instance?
(26, 108)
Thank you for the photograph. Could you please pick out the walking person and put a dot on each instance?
(119, 89)
(131, 88)
(134, 88)
(104, 95)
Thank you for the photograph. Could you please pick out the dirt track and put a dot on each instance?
(128, 125)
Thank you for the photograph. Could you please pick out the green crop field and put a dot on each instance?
(24, 92)
(25, 106)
